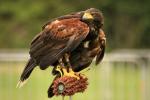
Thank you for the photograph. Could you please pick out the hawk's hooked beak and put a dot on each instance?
(87, 16)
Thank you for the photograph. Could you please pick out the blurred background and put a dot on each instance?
(124, 73)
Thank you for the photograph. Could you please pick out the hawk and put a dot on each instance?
(71, 40)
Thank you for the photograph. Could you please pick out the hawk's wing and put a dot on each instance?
(57, 38)
(102, 44)
(72, 15)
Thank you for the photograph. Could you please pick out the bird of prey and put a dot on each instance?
(71, 40)
(92, 46)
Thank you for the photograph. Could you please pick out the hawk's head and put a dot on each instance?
(93, 15)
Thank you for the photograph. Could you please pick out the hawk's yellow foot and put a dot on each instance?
(71, 73)
(63, 72)
(59, 69)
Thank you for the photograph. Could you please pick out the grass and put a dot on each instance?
(105, 83)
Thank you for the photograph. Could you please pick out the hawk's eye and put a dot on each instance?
(93, 14)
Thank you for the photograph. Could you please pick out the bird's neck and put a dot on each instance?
(94, 30)
(93, 34)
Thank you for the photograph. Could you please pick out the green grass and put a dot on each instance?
(105, 83)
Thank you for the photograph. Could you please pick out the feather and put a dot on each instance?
(100, 55)
(26, 72)
(102, 44)
(21, 83)
(57, 39)
(50, 90)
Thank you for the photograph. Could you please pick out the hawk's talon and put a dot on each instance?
(71, 73)
(63, 72)
(58, 68)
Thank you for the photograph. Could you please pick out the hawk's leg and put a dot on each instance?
(60, 66)
(67, 62)
(61, 62)
(69, 71)
(64, 67)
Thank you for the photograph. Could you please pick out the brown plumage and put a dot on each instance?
(92, 46)
(83, 56)
(56, 39)
(79, 35)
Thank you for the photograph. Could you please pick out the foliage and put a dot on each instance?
(126, 22)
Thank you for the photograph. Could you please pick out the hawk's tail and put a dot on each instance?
(50, 90)
(26, 72)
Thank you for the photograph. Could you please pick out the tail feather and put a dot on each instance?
(50, 90)
(21, 83)
(26, 72)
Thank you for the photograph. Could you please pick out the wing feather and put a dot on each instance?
(56, 39)
(72, 15)
(102, 44)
